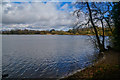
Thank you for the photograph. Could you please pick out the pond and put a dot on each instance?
(45, 56)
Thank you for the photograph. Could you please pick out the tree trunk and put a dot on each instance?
(103, 41)
(96, 32)
(109, 25)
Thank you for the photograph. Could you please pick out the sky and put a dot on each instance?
(38, 15)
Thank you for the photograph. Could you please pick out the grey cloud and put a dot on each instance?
(35, 15)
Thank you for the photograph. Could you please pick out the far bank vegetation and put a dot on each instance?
(82, 31)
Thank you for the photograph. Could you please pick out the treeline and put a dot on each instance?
(82, 31)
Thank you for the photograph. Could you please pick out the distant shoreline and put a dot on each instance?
(83, 31)
(53, 34)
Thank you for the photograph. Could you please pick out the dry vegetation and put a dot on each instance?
(106, 68)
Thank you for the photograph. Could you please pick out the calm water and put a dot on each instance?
(45, 56)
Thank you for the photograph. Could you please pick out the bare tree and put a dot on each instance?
(95, 13)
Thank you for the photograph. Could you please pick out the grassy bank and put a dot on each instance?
(106, 68)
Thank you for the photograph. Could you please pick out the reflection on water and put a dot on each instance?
(45, 56)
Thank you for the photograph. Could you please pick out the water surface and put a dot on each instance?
(45, 56)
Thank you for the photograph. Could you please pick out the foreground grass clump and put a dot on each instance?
(107, 68)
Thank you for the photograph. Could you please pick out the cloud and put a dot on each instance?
(40, 15)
